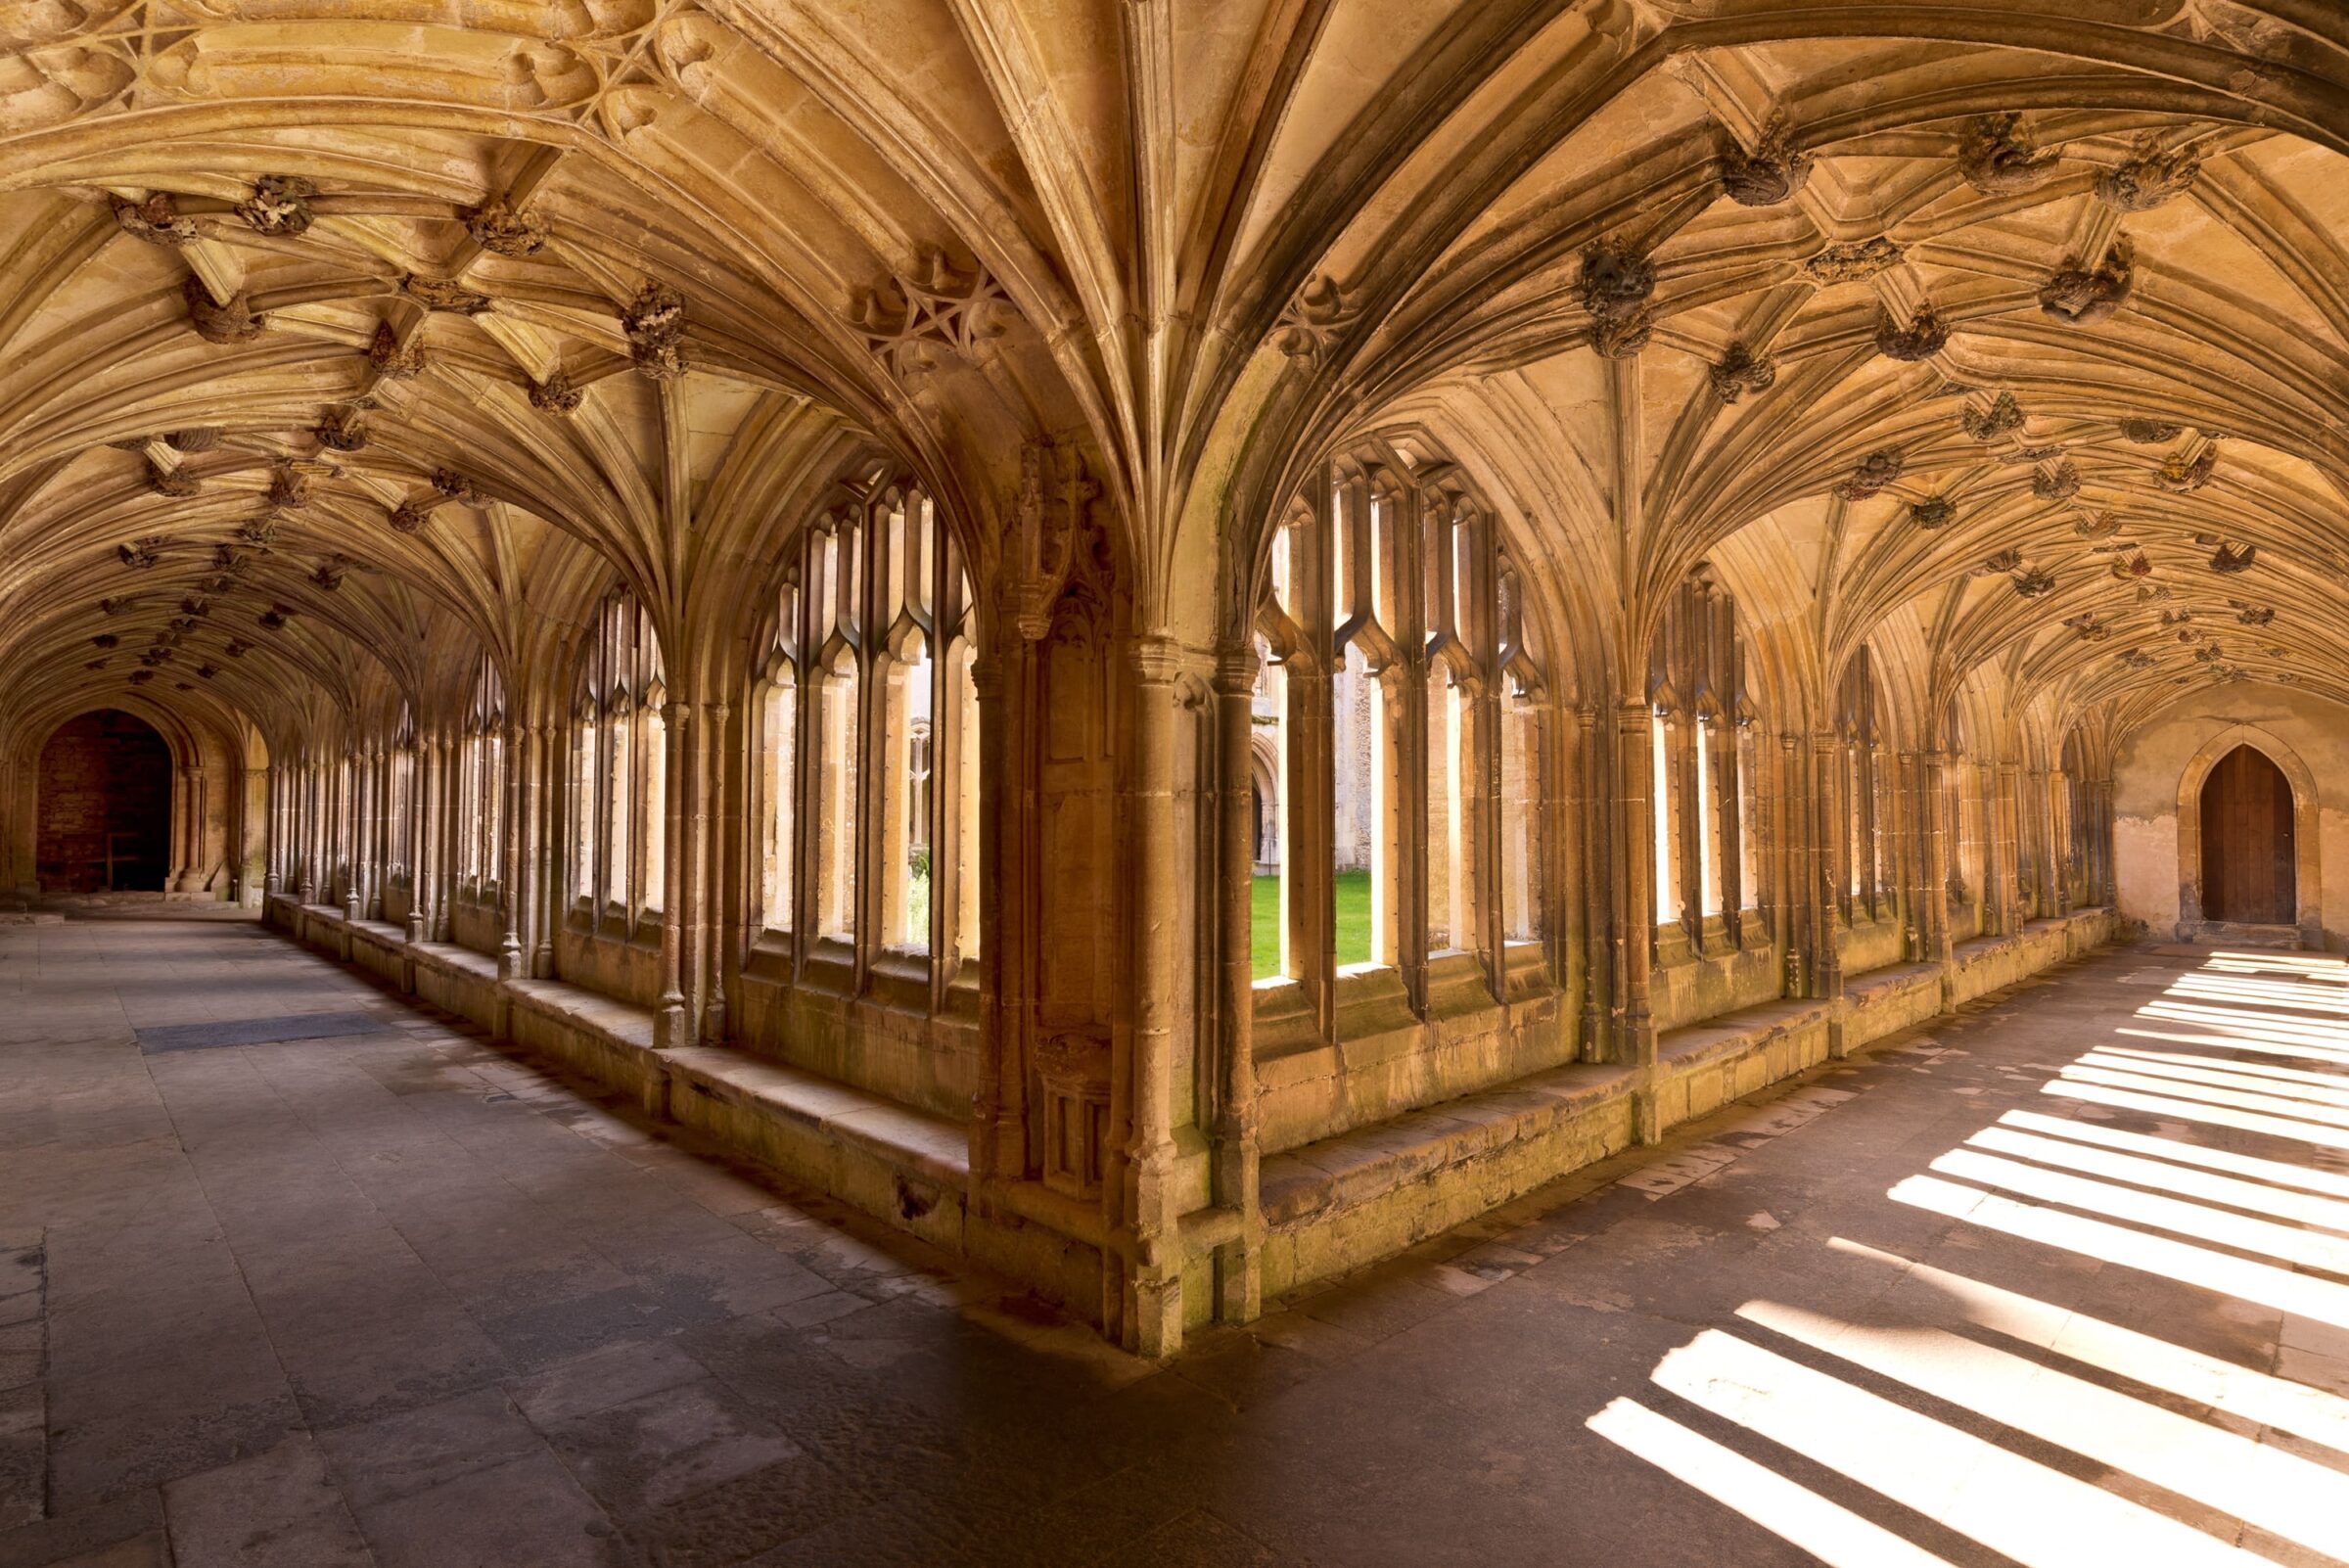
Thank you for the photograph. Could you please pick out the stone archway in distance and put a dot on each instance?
(2308, 892)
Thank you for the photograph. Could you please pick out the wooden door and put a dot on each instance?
(2247, 841)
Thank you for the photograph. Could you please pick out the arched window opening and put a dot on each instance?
(1863, 890)
(867, 752)
(1701, 764)
(481, 782)
(1390, 619)
(620, 771)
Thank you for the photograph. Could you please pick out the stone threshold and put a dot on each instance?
(1370, 1193)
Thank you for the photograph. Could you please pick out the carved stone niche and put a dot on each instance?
(1072, 1073)
(234, 321)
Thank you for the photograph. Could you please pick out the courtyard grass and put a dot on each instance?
(1353, 922)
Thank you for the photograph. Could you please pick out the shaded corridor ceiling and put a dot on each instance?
(343, 340)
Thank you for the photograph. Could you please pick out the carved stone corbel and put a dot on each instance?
(393, 360)
(1740, 371)
(156, 220)
(2086, 296)
(1922, 338)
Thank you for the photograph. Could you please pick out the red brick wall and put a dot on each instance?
(105, 778)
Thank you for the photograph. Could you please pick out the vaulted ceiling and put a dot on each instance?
(343, 340)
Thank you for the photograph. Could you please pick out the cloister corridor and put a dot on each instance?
(300, 1272)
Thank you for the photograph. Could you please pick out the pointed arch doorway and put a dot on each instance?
(103, 803)
(2247, 841)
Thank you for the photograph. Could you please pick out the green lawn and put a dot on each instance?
(1353, 922)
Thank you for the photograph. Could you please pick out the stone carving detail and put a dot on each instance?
(411, 515)
(288, 487)
(2182, 474)
(2084, 296)
(1060, 552)
(1768, 174)
(201, 438)
(2136, 658)
(274, 617)
(1852, 262)
(280, 204)
(2088, 626)
(1933, 512)
(1876, 471)
(393, 360)
(140, 678)
(105, 639)
(95, 664)
(141, 555)
(1615, 286)
(2254, 614)
(2058, 483)
(1996, 162)
(114, 607)
(176, 483)
(2149, 179)
(330, 573)
(555, 394)
(500, 230)
(655, 322)
(2009, 559)
(2097, 526)
(1314, 320)
(1922, 339)
(435, 295)
(342, 427)
(207, 672)
(237, 648)
(2003, 416)
(195, 606)
(913, 323)
(234, 321)
(1740, 371)
(2149, 432)
(156, 220)
(2035, 583)
(2231, 559)
(455, 486)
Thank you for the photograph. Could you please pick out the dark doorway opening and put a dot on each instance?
(2247, 873)
(105, 807)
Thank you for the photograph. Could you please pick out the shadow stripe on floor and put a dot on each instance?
(257, 1030)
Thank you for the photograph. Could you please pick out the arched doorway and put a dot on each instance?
(2247, 841)
(105, 805)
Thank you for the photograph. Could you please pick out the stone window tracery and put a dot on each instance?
(866, 745)
(1406, 781)
(1701, 762)
(619, 774)
(481, 782)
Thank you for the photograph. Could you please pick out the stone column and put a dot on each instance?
(510, 852)
(1154, 1318)
(704, 1008)
(272, 839)
(671, 1028)
(1827, 959)
(998, 1137)
(1239, 1280)
(1632, 958)
(551, 895)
